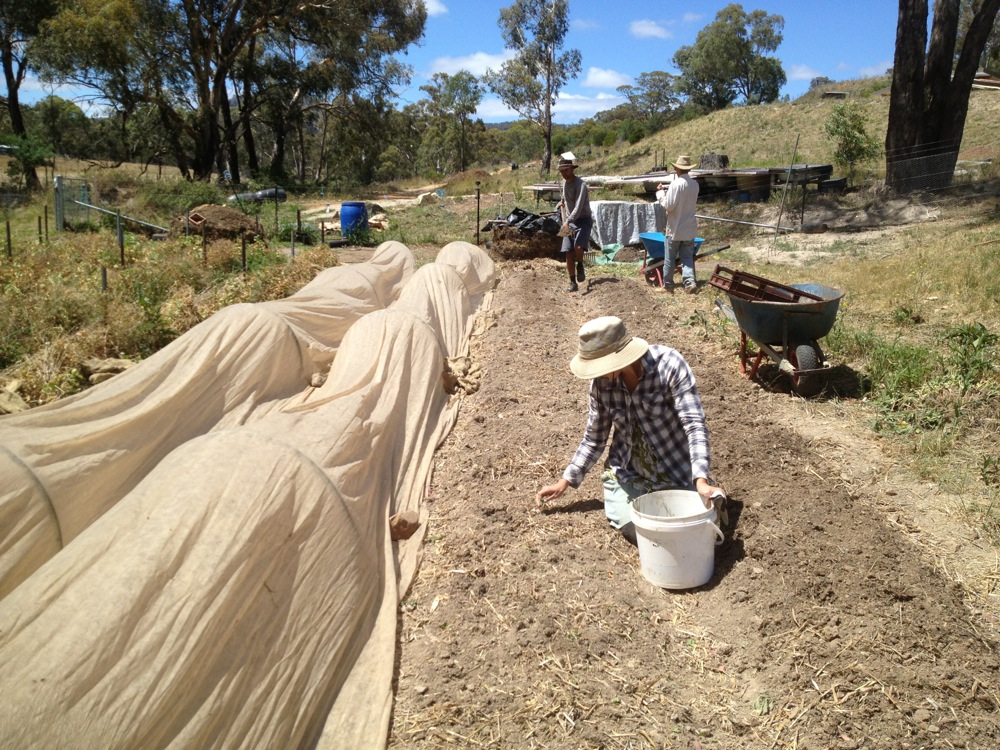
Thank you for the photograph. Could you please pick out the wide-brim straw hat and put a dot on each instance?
(605, 346)
(683, 163)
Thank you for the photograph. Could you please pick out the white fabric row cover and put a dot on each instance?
(214, 568)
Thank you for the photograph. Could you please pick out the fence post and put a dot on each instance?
(121, 238)
(104, 278)
(276, 209)
(39, 230)
(477, 212)
(10, 250)
(204, 243)
(57, 201)
(243, 252)
(46, 222)
(298, 222)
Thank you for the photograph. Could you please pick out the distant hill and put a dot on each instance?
(765, 135)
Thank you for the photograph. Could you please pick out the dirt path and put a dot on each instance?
(824, 626)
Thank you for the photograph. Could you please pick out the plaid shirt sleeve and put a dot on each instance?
(678, 436)
(595, 437)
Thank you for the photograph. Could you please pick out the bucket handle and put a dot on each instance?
(718, 533)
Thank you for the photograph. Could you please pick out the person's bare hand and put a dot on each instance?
(708, 492)
(550, 492)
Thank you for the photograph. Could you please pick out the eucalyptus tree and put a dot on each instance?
(452, 100)
(931, 85)
(530, 82)
(728, 60)
(184, 55)
(19, 23)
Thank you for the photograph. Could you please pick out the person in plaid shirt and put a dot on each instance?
(645, 399)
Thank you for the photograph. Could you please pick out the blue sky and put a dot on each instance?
(619, 39)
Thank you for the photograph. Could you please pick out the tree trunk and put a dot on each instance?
(547, 117)
(232, 146)
(929, 99)
(13, 79)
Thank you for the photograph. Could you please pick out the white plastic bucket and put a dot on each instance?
(676, 535)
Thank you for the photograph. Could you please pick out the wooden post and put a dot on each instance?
(204, 243)
(477, 212)
(39, 230)
(104, 278)
(243, 252)
(46, 222)
(10, 250)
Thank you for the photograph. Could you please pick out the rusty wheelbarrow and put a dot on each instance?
(785, 322)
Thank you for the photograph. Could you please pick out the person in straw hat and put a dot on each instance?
(679, 199)
(577, 220)
(644, 398)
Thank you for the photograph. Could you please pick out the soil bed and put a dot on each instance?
(824, 626)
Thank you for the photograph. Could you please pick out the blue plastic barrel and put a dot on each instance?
(353, 217)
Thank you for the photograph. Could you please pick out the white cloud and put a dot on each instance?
(801, 73)
(571, 108)
(878, 69)
(600, 78)
(646, 29)
(435, 7)
(692, 17)
(477, 63)
(584, 25)
(494, 110)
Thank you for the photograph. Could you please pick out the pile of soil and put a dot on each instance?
(217, 222)
(831, 620)
(510, 243)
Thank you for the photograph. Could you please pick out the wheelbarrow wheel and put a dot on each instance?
(806, 356)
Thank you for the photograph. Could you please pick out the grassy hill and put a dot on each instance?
(765, 135)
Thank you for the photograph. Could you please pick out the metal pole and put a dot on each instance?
(104, 278)
(10, 250)
(275, 208)
(40, 230)
(46, 222)
(243, 252)
(747, 223)
(477, 212)
(204, 242)
(788, 179)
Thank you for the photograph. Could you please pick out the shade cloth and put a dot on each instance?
(238, 588)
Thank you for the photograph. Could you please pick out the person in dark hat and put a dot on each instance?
(644, 398)
(680, 198)
(577, 220)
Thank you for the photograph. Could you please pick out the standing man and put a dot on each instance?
(680, 199)
(659, 441)
(577, 221)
